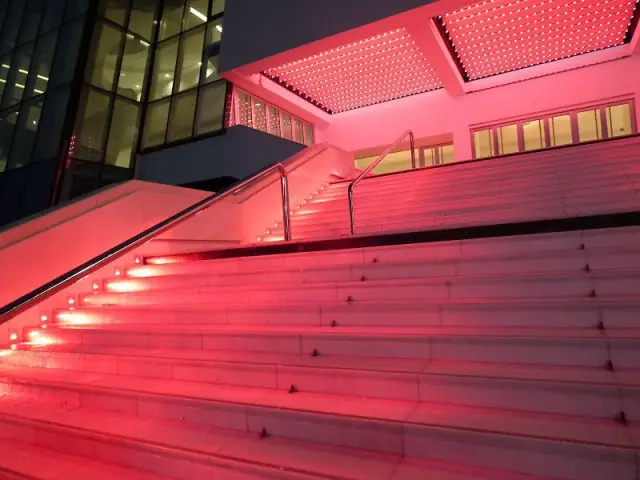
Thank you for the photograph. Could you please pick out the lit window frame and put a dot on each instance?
(546, 118)
(235, 117)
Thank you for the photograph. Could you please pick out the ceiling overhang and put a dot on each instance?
(477, 46)
(376, 69)
(493, 37)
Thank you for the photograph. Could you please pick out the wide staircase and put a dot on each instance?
(561, 183)
(512, 357)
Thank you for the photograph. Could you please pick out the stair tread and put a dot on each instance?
(282, 455)
(578, 333)
(547, 373)
(491, 421)
(46, 464)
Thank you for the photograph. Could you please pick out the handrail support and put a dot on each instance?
(373, 165)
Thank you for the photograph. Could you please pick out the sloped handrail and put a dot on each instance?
(373, 165)
(44, 291)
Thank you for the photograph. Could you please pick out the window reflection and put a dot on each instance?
(103, 57)
(286, 127)
(171, 23)
(31, 21)
(210, 70)
(164, 70)
(5, 66)
(196, 13)
(217, 6)
(182, 115)
(214, 32)
(9, 31)
(155, 127)
(114, 10)
(123, 134)
(211, 108)
(134, 65)
(188, 72)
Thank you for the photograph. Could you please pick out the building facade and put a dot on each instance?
(178, 92)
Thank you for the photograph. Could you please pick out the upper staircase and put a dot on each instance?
(513, 357)
(560, 183)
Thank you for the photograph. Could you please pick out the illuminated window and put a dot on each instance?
(589, 125)
(508, 139)
(256, 113)
(619, 120)
(557, 130)
(560, 130)
(533, 135)
(483, 143)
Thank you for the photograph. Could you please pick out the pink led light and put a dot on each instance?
(373, 70)
(498, 36)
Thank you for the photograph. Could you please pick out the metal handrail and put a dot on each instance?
(44, 291)
(373, 165)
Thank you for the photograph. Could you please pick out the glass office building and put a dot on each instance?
(87, 85)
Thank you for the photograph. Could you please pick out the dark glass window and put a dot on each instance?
(50, 131)
(52, 16)
(40, 72)
(16, 82)
(211, 108)
(25, 134)
(31, 20)
(11, 26)
(183, 109)
(156, 123)
(91, 126)
(69, 40)
(8, 121)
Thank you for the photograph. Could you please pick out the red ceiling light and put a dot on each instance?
(373, 70)
(498, 36)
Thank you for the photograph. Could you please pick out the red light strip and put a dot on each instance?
(498, 36)
(373, 70)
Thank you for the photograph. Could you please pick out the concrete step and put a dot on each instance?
(588, 347)
(576, 285)
(463, 202)
(20, 460)
(550, 313)
(596, 244)
(577, 447)
(587, 392)
(204, 453)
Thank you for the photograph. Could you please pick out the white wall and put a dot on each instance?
(437, 113)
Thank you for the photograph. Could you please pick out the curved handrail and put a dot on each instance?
(373, 165)
(44, 291)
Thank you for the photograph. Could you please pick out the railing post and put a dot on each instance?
(413, 150)
(351, 212)
(286, 213)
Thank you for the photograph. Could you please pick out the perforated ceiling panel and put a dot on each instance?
(498, 36)
(373, 70)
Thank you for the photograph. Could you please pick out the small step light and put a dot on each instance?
(118, 272)
(13, 337)
(96, 286)
(138, 260)
(71, 301)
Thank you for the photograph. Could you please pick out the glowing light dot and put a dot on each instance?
(13, 337)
